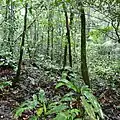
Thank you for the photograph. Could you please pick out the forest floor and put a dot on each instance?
(32, 79)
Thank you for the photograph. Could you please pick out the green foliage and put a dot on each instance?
(5, 84)
(67, 115)
(67, 83)
(5, 59)
(103, 59)
(97, 34)
(103, 64)
(62, 111)
(32, 104)
(33, 118)
(56, 108)
(89, 101)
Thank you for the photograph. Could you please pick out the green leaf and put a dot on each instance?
(5, 84)
(61, 116)
(41, 96)
(57, 109)
(7, 2)
(59, 84)
(33, 118)
(19, 112)
(66, 83)
(39, 111)
(21, 0)
(85, 91)
(35, 100)
(44, 107)
(34, 97)
(31, 105)
(88, 108)
(76, 111)
(68, 97)
(28, 105)
(68, 1)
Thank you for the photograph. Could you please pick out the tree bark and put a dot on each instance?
(48, 39)
(65, 56)
(68, 35)
(52, 33)
(84, 68)
(22, 45)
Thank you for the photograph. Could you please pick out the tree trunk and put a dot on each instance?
(84, 68)
(12, 26)
(65, 56)
(48, 40)
(68, 34)
(22, 45)
(52, 32)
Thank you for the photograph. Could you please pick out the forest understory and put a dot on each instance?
(32, 79)
(59, 59)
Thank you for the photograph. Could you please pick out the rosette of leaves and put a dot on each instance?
(85, 95)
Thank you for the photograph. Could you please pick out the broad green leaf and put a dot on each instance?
(51, 105)
(88, 108)
(64, 74)
(76, 111)
(61, 116)
(41, 96)
(44, 107)
(68, 97)
(31, 105)
(57, 109)
(35, 101)
(33, 118)
(34, 97)
(39, 111)
(92, 99)
(19, 112)
(59, 84)
(67, 83)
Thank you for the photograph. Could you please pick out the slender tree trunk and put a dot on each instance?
(22, 45)
(42, 40)
(35, 32)
(88, 23)
(52, 33)
(48, 40)
(71, 18)
(68, 34)
(65, 56)
(84, 68)
(52, 30)
(12, 18)
(9, 10)
(61, 44)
